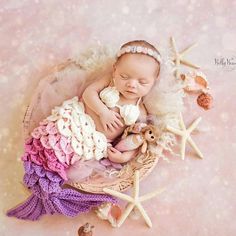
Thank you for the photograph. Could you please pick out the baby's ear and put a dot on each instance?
(113, 69)
(114, 66)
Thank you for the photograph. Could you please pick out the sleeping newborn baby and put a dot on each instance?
(80, 131)
(115, 103)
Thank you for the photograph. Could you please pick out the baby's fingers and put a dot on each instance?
(112, 149)
(110, 126)
(117, 115)
(109, 151)
(119, 122)
(115, 125)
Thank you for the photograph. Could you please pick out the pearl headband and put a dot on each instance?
(140, 49)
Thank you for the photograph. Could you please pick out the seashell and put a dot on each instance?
(205, 100)
(115, 212)
(110, 212)
(86, 230)
(195, 81)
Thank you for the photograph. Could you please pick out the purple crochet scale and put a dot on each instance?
(49, 196)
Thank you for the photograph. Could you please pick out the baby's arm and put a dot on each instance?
(91, 96)
(109, 119)
(121, 157)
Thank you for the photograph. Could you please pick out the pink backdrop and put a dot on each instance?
(35, 35)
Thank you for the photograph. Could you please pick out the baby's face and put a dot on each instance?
(134, 75)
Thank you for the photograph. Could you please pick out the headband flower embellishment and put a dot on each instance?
(140, 50)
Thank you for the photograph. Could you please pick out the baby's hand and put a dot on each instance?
(135, 129)
(114, 155)
(111, 120)
(138, 127)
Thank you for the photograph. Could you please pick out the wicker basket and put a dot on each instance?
(34, 113)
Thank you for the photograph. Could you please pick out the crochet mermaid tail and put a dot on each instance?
(48, 196)
(54, 146)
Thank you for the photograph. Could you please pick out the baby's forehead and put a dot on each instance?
(137, 63)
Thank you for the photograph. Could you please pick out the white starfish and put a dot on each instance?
(179, 57)
(185, 134)
(134, 201)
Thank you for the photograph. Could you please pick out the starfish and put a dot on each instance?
(185, 134)
(134, 201)
(179, 57)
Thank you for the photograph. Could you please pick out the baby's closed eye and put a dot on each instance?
(123, 76)
(143, 82)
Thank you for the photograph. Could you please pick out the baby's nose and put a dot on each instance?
(131, 83)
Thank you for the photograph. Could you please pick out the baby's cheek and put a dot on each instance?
(123, 83)
(120, 85)
(145, 91)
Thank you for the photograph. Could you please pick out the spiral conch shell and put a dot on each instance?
(195, 81)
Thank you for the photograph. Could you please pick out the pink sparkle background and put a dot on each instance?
(35, 35)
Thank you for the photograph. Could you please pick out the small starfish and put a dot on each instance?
(185, 134)
(179, 57)
(134, 201)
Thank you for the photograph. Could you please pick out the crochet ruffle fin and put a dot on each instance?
(49, 198)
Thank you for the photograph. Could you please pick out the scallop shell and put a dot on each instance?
(195, 81)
